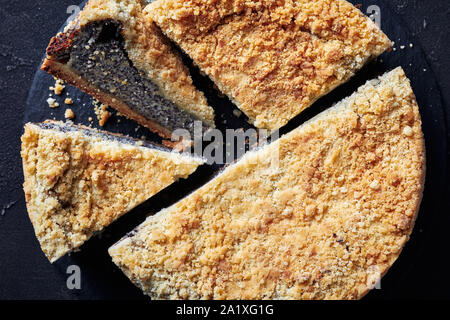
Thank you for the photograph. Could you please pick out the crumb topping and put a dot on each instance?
(302, 218)
(272, 58)
(76, 184)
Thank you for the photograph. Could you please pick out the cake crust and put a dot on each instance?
(149, 51)
(322, 213)
(79, 180)
(272, 58)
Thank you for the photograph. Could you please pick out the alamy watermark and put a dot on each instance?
(74, 280)
(218, 147)
(374, 13)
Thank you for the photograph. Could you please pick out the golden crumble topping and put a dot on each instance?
(272, 58)
(322, 213)
(77, 184)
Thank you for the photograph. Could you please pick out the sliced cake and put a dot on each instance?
(111, 52)
(272, 58)
(322, 213)
(79, 180)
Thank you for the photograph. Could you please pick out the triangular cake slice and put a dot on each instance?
(111, 52)
(78, 180)
(273, 59)
(322, 213)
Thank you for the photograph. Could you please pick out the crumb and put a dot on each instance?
(52, 103)
(237, 113)
(69, 114)
(407, 131)
(375, 185)
(102, 112)
(58, 87)
(90, 119)
(68, 101)
(402, 47)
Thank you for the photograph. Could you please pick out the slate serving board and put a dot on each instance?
(101, 279)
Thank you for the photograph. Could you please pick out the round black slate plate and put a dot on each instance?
(101, 279)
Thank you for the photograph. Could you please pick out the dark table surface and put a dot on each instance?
(26, 27)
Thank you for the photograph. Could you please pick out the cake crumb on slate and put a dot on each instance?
(69, 114)
(52, 103)
(58, 87)
(101, 110)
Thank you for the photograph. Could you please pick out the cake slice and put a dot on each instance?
(321, 213)
(272, 58)
(79, 180)
(124, 61)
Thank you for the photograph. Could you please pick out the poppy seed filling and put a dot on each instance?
(98, 54)
(91, 132)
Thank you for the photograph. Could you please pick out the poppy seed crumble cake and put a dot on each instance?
(78, 180)
(272, 58)
(111, 52)
(324, 221)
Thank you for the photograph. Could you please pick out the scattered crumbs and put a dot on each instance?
(143, 138)
(69, 114)
(52, 103)
(90, 119)
(424, 70)
(394, 49)
(101, 112)
(68, 101)
(402, 47)
(411, 45)
(237, 113)
(58, 87)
